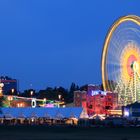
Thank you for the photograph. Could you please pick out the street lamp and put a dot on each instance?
(1, 91)
(10, 98)
(31, 93)
(12, 90)
(59, 97)
(44, 101)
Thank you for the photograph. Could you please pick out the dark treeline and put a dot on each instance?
(53, 93)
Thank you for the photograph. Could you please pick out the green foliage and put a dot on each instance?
(4, 102)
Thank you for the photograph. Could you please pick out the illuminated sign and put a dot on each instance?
(49, 105)
(126, 113)
(33, 103)
(97, 92)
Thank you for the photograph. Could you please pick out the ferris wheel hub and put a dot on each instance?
(135, 66)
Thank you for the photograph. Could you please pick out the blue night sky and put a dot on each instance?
(56, 42)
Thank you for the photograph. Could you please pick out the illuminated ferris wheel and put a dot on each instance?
(121, 60)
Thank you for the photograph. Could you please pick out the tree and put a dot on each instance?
(4, 102)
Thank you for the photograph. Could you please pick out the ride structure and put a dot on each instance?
(121, 60)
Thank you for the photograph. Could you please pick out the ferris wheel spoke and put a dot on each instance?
(123, 51)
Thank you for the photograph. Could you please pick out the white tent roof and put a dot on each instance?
(47, 116)
(8, 116)
(21, 115)
(84, 114)
(41, 112)
(59, 116)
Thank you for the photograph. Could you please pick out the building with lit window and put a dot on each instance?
(96, 101)
(80, 98)
(131, 111)
(10, 85)
(99, 102)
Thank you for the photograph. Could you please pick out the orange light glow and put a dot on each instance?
(20, 104)
(130, 55)
(10, 98)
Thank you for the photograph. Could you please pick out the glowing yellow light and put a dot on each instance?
(136, 66)
(132, 18)
(1, 85)
(18, 105)
(31, 92)
(130, 60)
(13, 90)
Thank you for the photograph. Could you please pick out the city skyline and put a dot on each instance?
(55, 43)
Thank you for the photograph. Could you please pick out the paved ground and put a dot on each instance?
(46, 133)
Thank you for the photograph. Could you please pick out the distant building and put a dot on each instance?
(10, 85)
(80, 98)
(131, 111)
(96, 101)
(99, 102)
(111, 100)
(91, 87)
